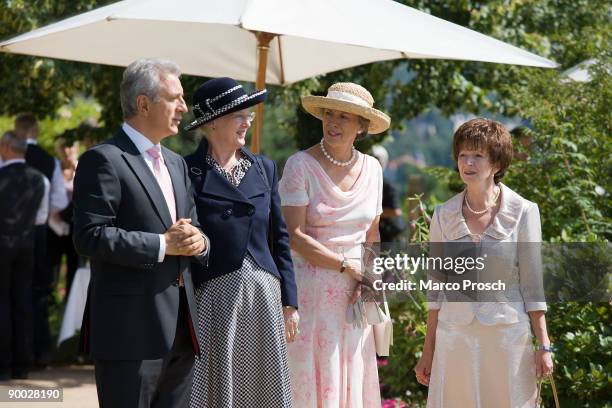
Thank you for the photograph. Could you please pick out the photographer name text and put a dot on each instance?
(406, 285)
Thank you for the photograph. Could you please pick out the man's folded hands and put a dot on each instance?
(184, 239)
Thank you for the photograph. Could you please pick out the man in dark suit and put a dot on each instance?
(23, 199)
(43, 279)
(135, 219)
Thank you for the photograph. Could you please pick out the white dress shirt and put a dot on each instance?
(58, 199)
(143, 144)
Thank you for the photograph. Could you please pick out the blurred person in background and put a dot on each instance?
(391, 222)
(24, 201)
(43, 280)
(67, 151)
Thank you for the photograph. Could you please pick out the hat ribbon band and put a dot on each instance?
(208, 101)
(345, 96)
(229, 91)
(225, 108)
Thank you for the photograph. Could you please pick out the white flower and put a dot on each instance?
(599, 190)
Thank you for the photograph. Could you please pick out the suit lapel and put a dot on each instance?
(253, 183)
(214, 183)
(138, 165)
(178, 183)
(217, 185)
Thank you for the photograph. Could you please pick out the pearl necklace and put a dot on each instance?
(467, 204)
(338, 162)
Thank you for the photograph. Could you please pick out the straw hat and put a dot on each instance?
(351, 98)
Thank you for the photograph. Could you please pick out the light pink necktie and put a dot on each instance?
(163, 179)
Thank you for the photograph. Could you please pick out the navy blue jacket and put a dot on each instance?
(238, 219)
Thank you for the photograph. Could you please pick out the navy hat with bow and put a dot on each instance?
(220, 96)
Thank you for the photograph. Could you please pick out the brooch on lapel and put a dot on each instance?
(196, 171)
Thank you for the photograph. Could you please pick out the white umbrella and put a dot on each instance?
(580, 72)
(284, 41)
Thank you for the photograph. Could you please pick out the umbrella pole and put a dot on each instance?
(263, 45)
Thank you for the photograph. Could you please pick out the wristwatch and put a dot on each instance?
(547, 349)
(343, 265)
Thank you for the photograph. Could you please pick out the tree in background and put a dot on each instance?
(562, 164)
(567, 165)
(552, 29)
(567, 171)
(41, 85)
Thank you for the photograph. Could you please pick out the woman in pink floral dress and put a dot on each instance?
(331, 196)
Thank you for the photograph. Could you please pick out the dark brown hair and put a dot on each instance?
(24, 122)
(485, 135)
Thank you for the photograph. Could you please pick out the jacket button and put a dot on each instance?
(251, 211)
(228, 212)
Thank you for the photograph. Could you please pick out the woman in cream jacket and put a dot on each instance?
(478, 349)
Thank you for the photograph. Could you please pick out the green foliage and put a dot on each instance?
(277, 140)
(449, 178)
(41, 85)
(582, 336)
(397, 375)
(578, 271)
(568, 169)
(410, 317)
(69, 116)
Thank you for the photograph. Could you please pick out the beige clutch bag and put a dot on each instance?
(382, 329)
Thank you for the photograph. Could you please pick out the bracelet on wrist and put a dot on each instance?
(343, 265)
(546, 348)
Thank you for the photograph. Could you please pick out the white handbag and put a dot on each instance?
(373, 314)
(383, 331)
(360, 314)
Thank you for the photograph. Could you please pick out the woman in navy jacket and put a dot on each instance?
(246, 295)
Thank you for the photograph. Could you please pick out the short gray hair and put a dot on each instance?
(143, 77)
(16, 143)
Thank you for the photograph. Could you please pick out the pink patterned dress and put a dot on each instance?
(331, 363)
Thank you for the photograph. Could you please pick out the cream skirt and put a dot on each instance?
(483, 366)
